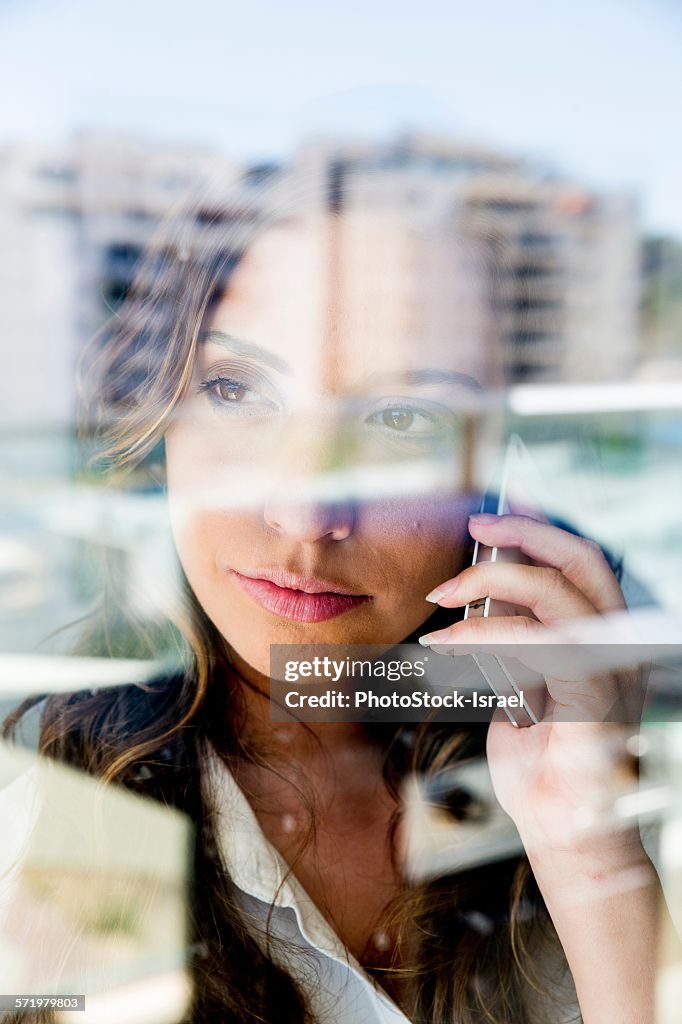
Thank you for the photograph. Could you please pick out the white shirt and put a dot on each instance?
(337, 988)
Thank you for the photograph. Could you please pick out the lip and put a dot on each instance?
(296, 597)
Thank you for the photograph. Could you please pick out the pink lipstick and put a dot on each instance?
(295, 597)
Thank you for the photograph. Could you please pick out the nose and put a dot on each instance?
(293, 508)
(309, 521)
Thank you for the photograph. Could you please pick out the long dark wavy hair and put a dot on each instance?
(472, 938)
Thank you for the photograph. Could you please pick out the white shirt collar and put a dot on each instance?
(256, 867)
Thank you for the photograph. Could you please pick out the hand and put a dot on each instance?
(551, 778)
(598, 884)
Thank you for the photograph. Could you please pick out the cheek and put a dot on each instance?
(421, 541)
(205, 539)
(195, 494)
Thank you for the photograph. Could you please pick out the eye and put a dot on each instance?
(226, 389)
(408, 420)
(236, 395)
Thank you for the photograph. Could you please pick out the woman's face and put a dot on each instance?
(312, 467)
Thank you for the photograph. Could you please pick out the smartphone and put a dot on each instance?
(499, 672)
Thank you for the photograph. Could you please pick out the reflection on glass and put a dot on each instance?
(310, 381)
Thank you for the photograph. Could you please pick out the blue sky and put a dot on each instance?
(590, 86)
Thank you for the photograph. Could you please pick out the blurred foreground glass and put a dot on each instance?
(93, 893)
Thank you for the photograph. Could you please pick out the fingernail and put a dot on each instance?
(426, 639)
(483, 517)
(444, 590)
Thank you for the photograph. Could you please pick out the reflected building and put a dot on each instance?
(563, 305)
(661, 309)
(74, 220)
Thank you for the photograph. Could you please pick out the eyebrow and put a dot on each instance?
(247, 348)
(411, 378)
(428, 375)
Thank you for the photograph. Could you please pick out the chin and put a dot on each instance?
(253, 647)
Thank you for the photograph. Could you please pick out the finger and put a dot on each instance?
(575, 693)
(581, 560)
(501, 631)
(544, 591)
(523, 640)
